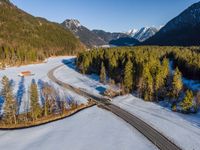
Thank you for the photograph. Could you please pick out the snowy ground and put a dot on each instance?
(191, 84)
(93, 128)
(40, 73)
(184, 130)
(89, 83)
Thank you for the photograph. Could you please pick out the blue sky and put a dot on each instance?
(109, 15)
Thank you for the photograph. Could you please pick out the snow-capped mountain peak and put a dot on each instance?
(85, 35)
(72, 22)
(143, 34)
(132, 32)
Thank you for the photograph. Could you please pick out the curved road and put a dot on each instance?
(152, 134)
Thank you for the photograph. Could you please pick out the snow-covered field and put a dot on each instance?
(184, 130)
(91, 129)
(40, 71)
(95, 128)
(89, 83)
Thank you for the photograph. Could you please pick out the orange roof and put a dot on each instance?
(26, 72)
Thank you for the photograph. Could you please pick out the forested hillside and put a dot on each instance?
(183, 30)
(24, 38)
(146, 71)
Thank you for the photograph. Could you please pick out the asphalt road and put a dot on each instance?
(149, 132)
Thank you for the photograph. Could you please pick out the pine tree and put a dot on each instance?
(5, 83)
(102, 73)
(49, 99)
(165, 68)
(46, 92)
(128, 76)
(177, 84)
(85, 64)
(187, 101)
(10, 106)
(112, 65)
(147, 84)
(160, 79)
(34, 101)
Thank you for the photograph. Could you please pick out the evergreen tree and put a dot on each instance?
(177, 84)
(153, 82)
(165, 68)
(46, 93)
(147, 84)
(187, 102)
(102, 73)
(5, 84)
(10, 106)
(128, 76)
(112, 66)
(34, 101)
(49, 99)
(85, 64)
(160, 79)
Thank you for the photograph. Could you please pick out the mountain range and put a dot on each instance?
(91, 38)
(95, 38)
(183, 30)
(20, 29)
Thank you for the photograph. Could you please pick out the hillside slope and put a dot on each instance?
(183, 30)
(21, 32)
(145, 33)
(86, 36)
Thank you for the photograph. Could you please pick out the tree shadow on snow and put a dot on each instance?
(101, 89)
(1, 104)
(70, 63)
(20, 93)
(40, 87)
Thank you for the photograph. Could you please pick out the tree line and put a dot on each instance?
(44, 102)
(10, 56)
(145, 70)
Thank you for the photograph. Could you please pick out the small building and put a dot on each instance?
(25, 73)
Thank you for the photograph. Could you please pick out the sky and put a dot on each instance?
(109, 15)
